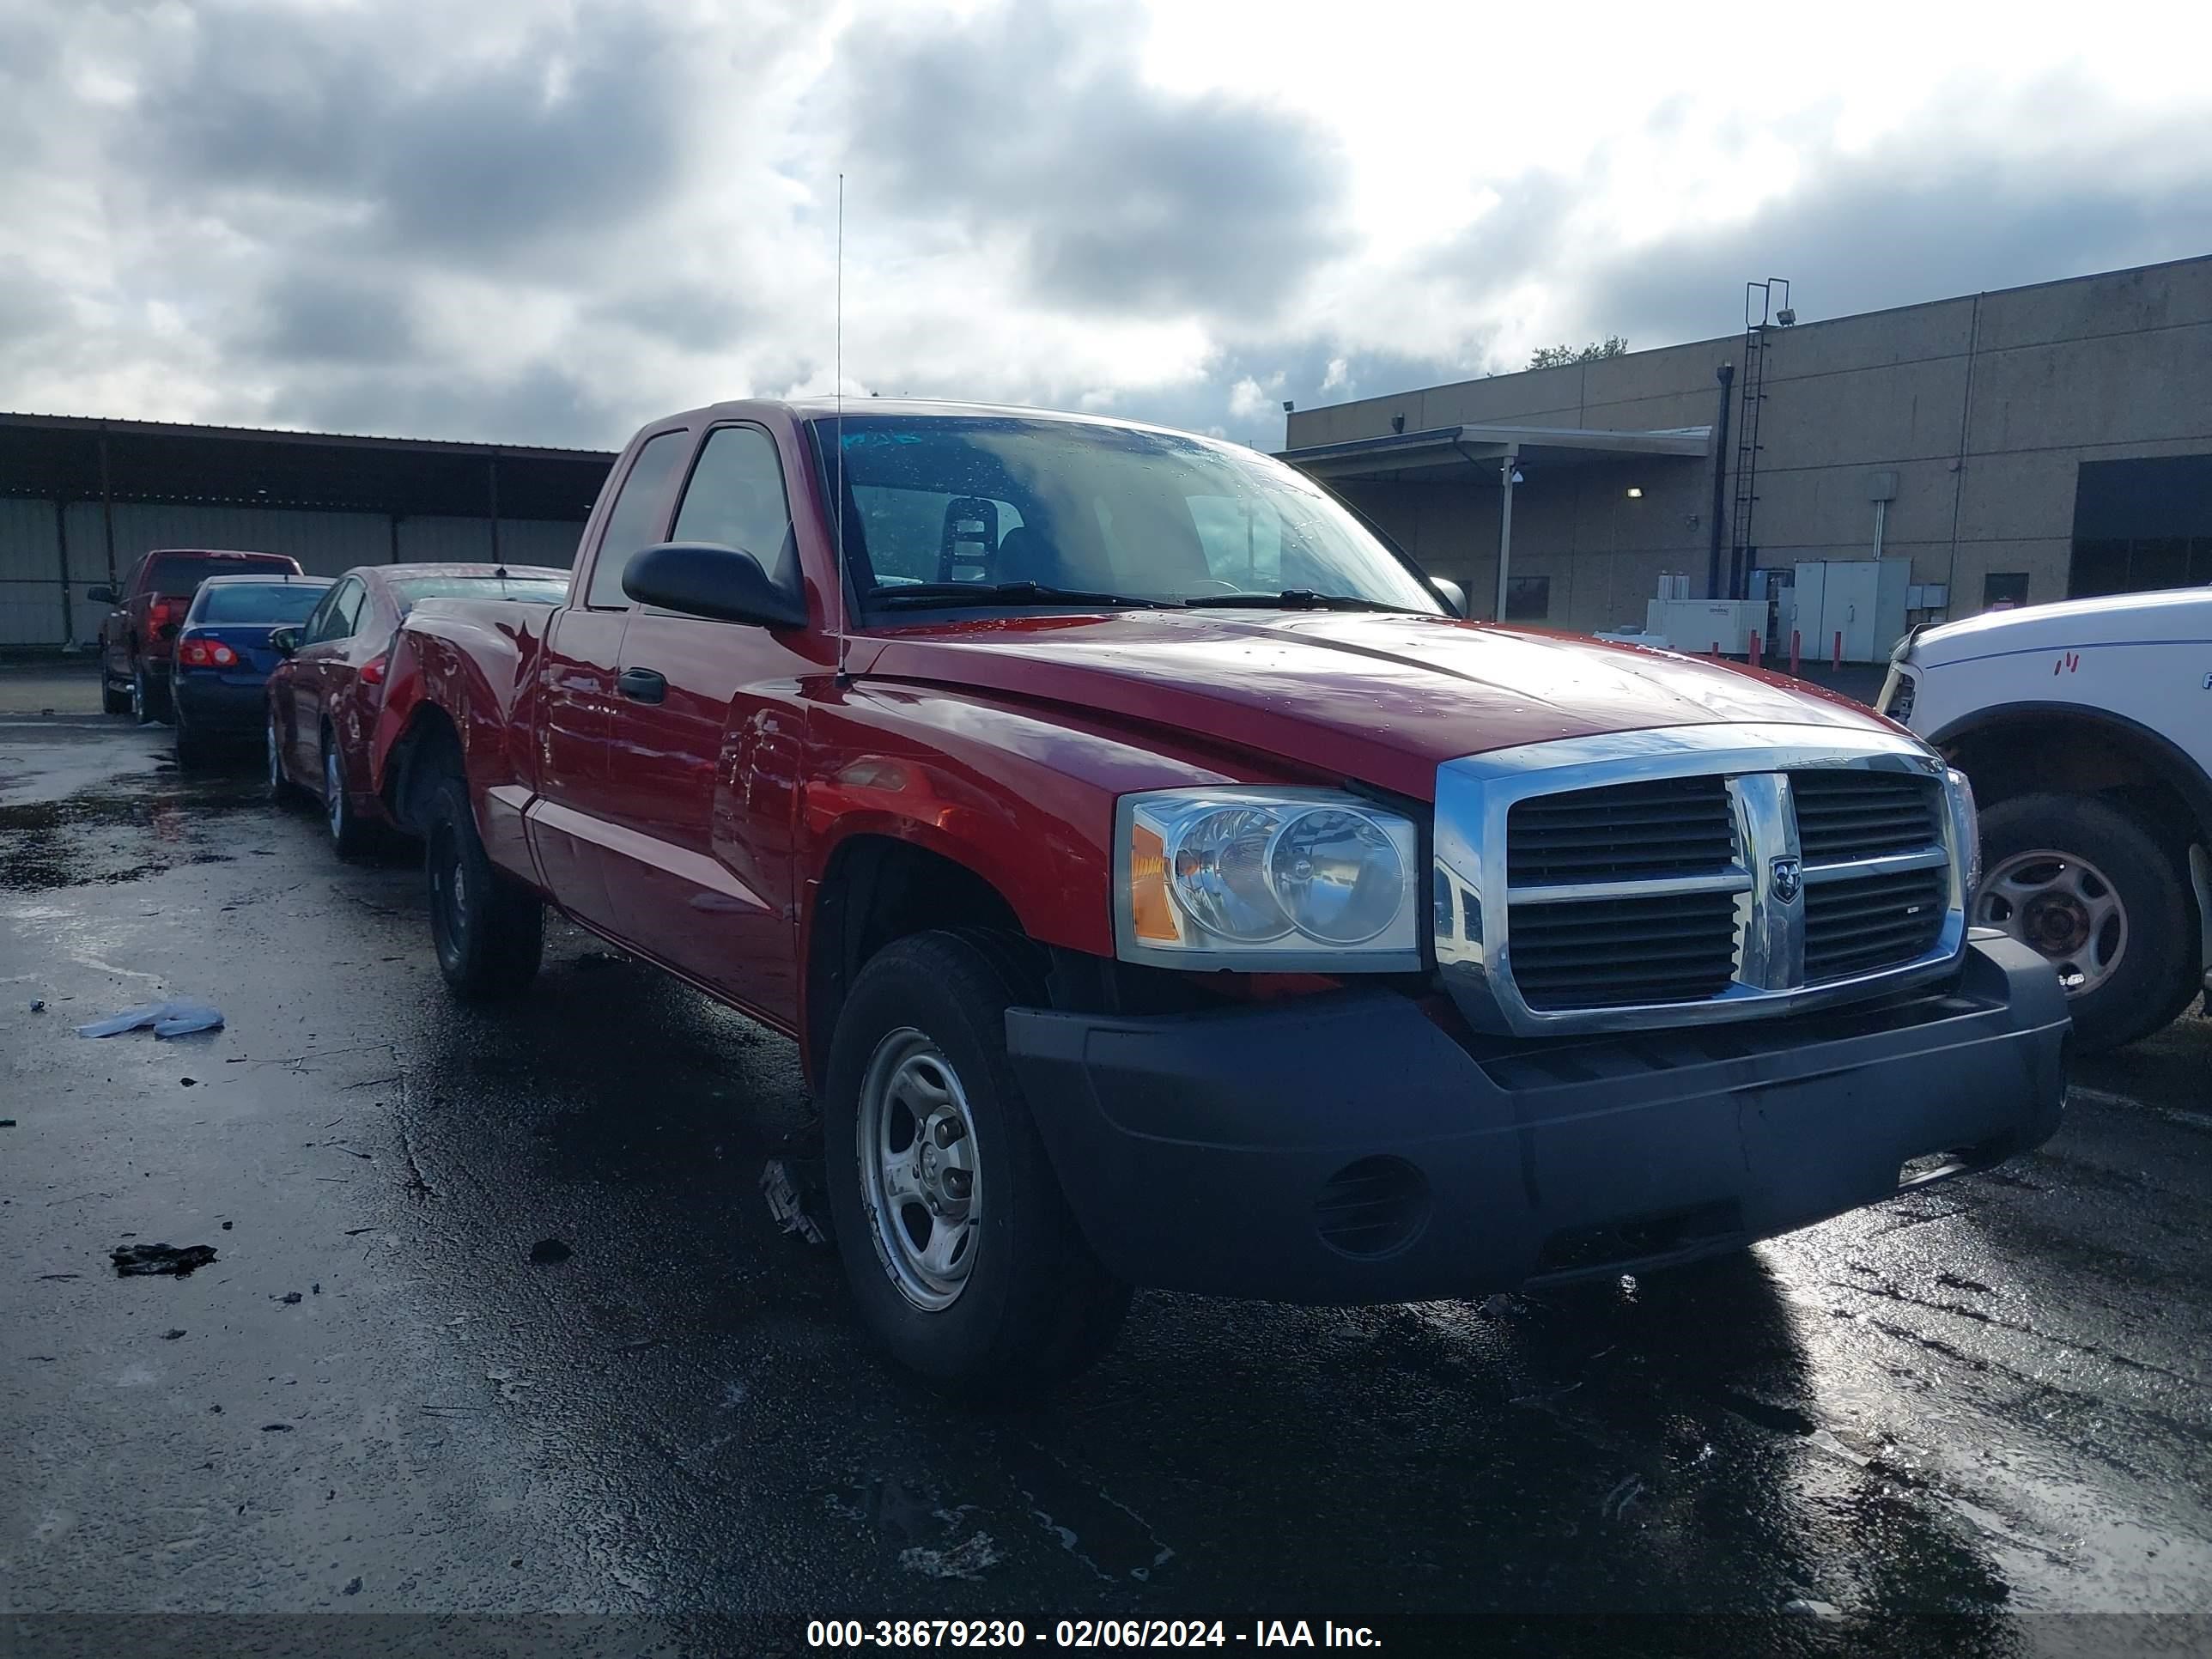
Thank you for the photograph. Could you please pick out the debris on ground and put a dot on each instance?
(135, 1260)
(171, 1336)
(290, 1299)
(226, 1226)
(1827, 1613)
(593, 959)
(6, 1122)
(549, 1252)
(969, 1559)
(795, 1188)
(190, 1082)
(174, 1018)
(38, 1005)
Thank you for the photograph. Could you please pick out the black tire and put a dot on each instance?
(488, 929)
(2155, 974)
(352, 836)
(140, 702)
(283, 791)
(113, 698)
(1036, 1306)
(192, 749)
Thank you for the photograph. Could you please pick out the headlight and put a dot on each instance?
(1966, 826)
(1266, 880)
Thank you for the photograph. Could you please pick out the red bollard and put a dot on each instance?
(1755, 643)
(1715, 653)
(1793, 653)
(1838, 664)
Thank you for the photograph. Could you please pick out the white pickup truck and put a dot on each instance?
(2086, 728)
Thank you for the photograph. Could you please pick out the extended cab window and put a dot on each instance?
(736, 499)
(634, 522)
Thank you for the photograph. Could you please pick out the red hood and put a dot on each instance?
(1381, 698)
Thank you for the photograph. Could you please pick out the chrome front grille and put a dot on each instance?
(1859, 814)
(1666, 827)
(1679, 947)
(1704, 872)
(1871, 922)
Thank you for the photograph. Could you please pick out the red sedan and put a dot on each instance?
(324, 695)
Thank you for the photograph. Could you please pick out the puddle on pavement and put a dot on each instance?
(103, 837)
(1106, 1536)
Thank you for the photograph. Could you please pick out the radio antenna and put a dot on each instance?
(844, 633)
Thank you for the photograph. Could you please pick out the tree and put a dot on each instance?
(1558, 357)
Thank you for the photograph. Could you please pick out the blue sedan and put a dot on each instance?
(224, 657)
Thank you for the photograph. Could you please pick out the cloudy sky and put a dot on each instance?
(544, 221)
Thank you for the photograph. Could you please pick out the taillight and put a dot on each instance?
(206, 654)
(373, 670)
(158, 612)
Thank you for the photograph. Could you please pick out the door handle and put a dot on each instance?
(642, 685)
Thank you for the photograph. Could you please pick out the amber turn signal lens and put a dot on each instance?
(1151, 916)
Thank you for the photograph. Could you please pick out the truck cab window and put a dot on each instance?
(634, 522)
(736, 499)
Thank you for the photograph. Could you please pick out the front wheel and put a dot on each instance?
(141, 694)
(2083, 882)
(489, 930)
(113, 698)
(962, 1254)
(283, 791)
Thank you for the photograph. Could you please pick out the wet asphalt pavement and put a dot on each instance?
(1988, 1400)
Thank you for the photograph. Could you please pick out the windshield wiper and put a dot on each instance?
(916, 595)
(1295, 599)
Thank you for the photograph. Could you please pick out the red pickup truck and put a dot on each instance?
(138, 637)
(1164, 887)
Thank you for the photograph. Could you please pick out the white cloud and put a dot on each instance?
(544, 220)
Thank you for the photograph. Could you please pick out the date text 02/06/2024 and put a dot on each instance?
(1086, 1633)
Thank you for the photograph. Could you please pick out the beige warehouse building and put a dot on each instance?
(2014, 446)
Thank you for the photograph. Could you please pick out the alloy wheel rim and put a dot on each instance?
(333, 792)
(2063, 907)
(921, 1177)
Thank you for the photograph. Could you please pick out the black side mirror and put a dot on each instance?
(102, 594)
(284, 640)
(1451, 594)
(701, 578)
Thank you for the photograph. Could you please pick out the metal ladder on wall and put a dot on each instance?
(1761, 312)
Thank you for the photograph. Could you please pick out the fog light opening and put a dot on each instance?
(1374, 1207)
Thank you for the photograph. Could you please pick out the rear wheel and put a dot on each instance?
(192, 747)
(351, 835)
(488, 929)
(2083, 882)
(140, 703)
(963, 1256)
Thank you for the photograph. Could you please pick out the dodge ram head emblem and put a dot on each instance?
(1788, 876)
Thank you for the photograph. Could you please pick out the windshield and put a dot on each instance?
(943, 501)
(273, 602)
(183, 573)
(534, 590)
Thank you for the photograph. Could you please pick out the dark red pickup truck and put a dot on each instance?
(1164, 888)
(138, 635)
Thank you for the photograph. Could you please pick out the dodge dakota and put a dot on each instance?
(1164, 887)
